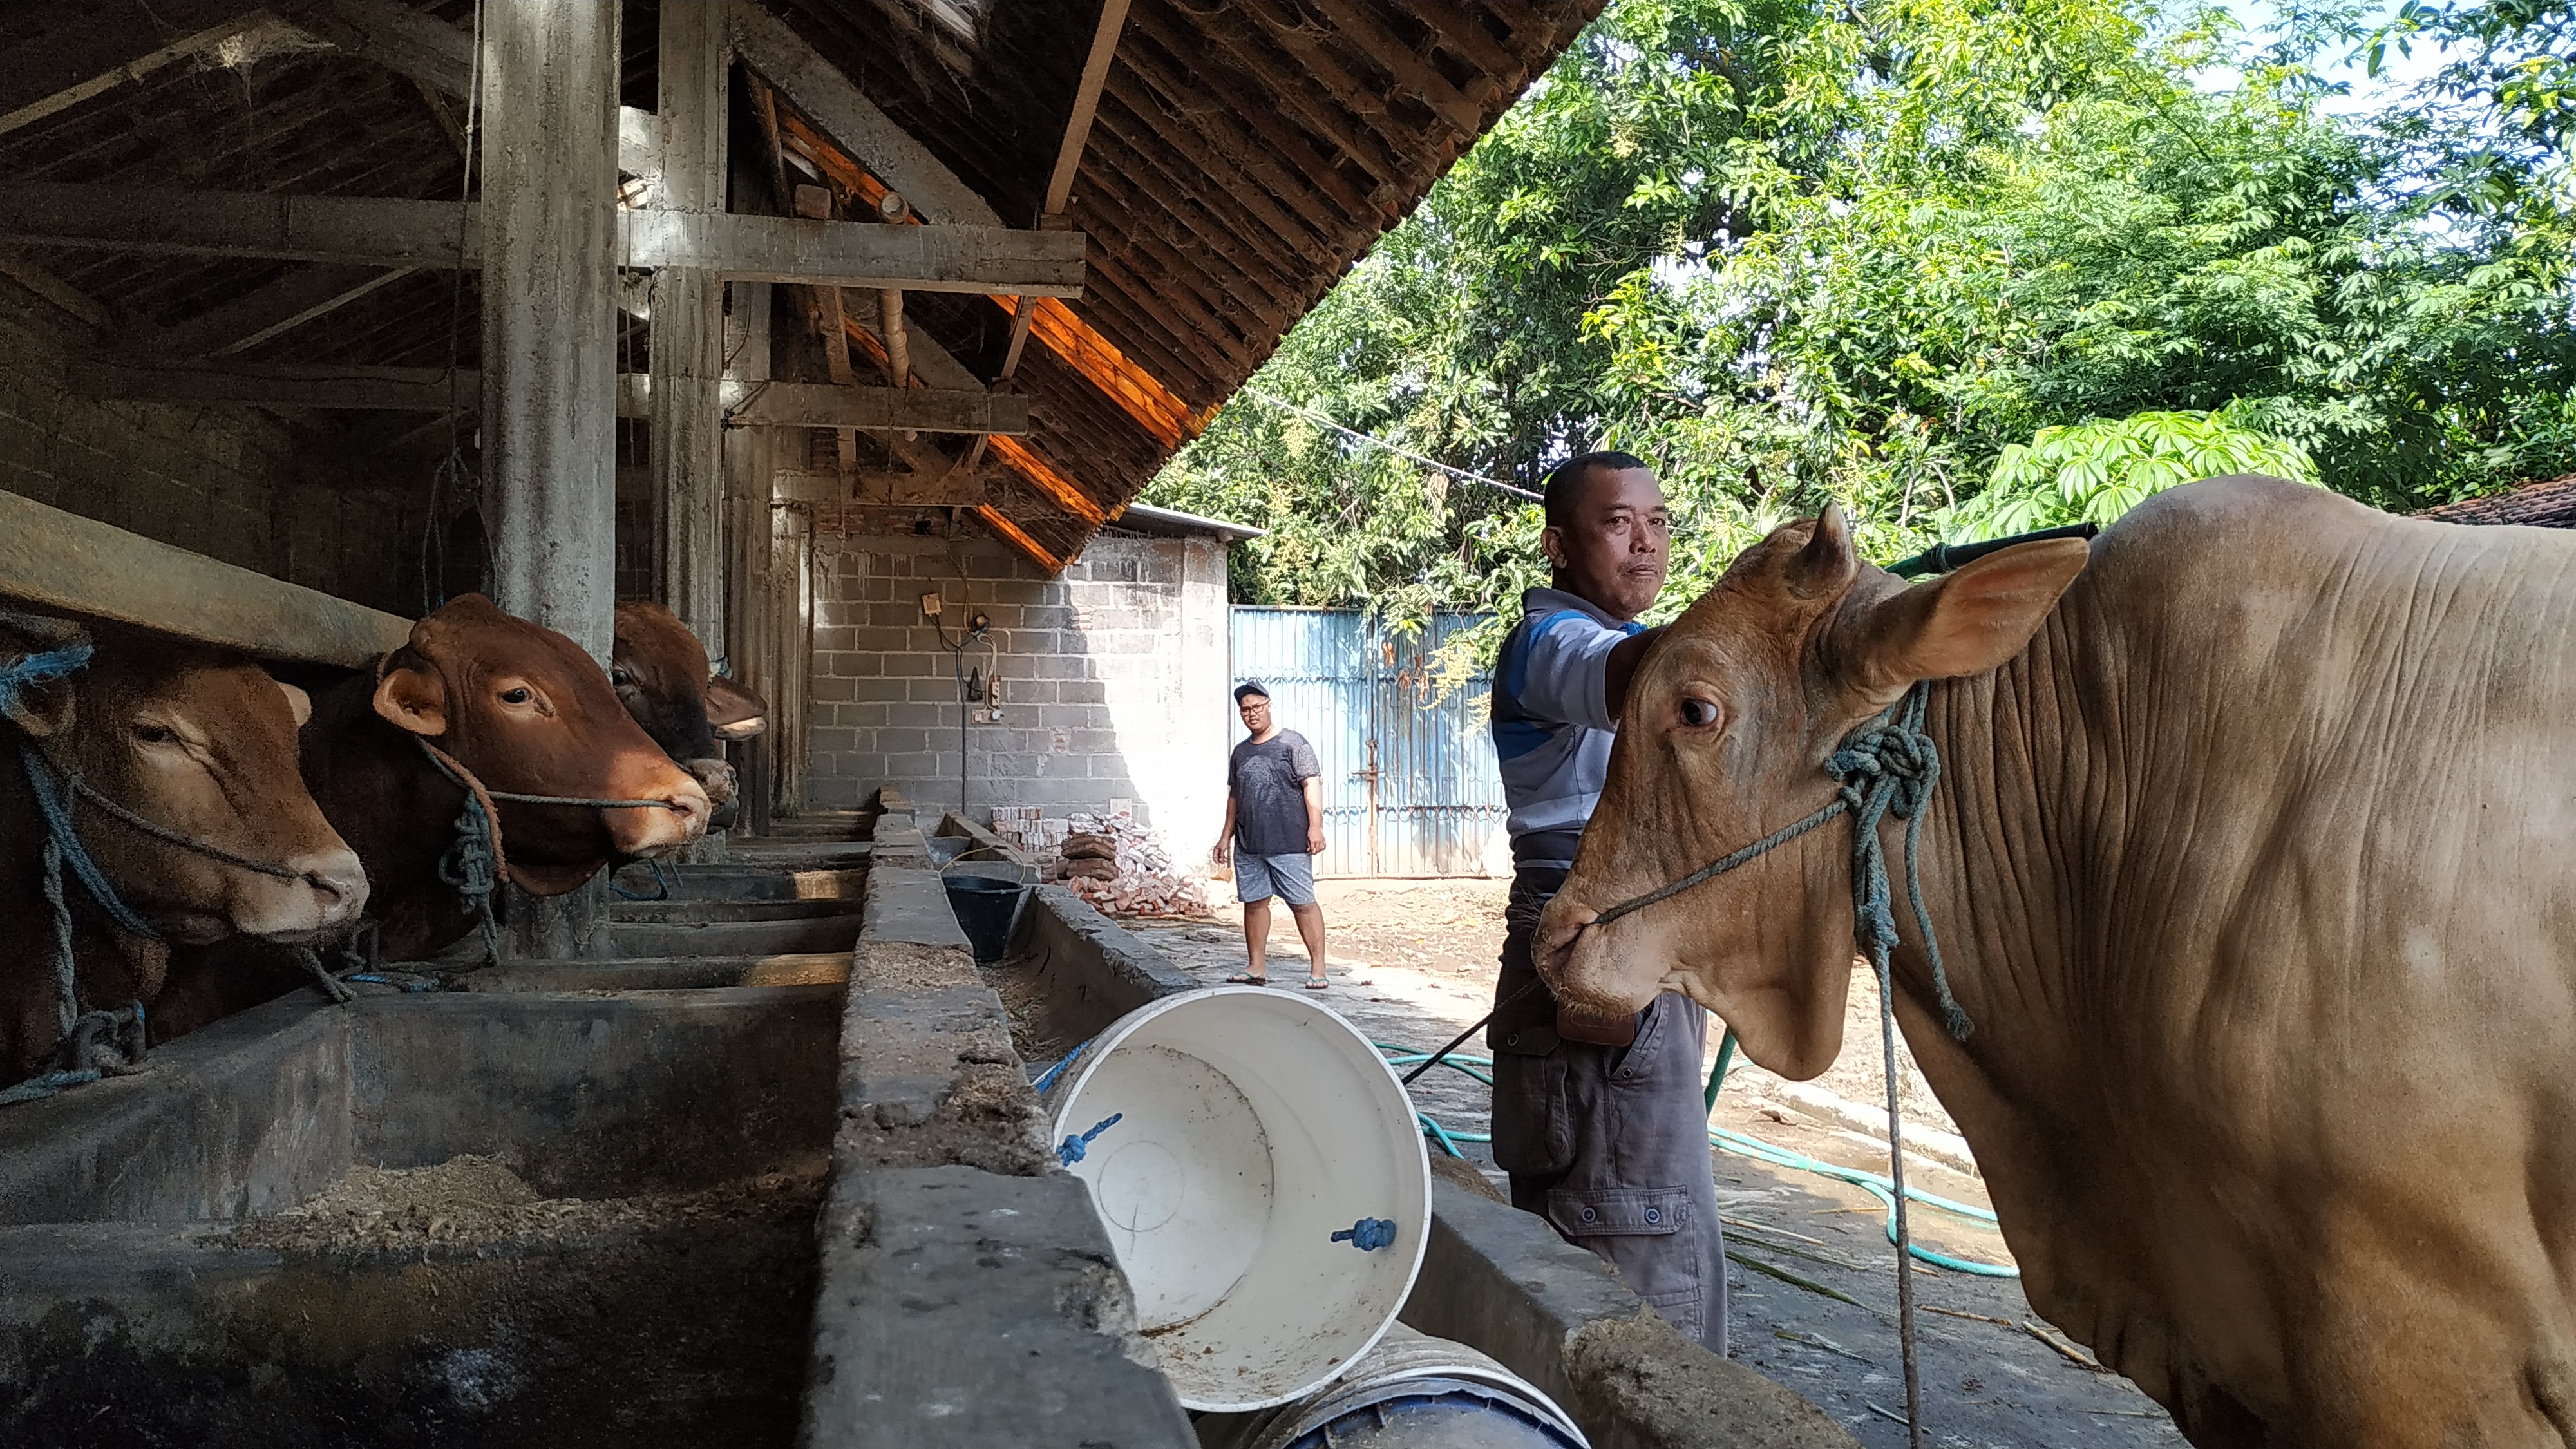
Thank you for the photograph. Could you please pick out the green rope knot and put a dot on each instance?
(1891, 766)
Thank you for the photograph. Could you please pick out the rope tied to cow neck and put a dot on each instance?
(474, 865)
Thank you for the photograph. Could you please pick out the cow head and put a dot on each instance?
(1724, 739)
(202, 744)
(528, 712)
(660, 671)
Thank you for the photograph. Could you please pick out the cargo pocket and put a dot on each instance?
(1646, 1234)
(1533, 1136)
(1624, 1212)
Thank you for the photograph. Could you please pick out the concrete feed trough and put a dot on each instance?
(606, 1235)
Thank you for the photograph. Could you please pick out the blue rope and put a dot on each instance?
(1072, 1149)
(32, 669)
(661, 882)
(83, 1059)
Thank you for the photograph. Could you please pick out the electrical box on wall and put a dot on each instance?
(930, 605)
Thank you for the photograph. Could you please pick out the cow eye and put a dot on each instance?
(1698, 714)
(620, 678)
(519, 695)
(153, 734)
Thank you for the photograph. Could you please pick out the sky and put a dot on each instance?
(2397, 73)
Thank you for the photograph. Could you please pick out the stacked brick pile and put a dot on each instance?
(1122, 868)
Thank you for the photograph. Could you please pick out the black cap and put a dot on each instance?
(1250, 686)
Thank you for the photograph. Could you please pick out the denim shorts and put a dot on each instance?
(1291, 876)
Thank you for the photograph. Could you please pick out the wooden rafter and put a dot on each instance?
(1018, 538)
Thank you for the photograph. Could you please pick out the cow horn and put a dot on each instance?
(1827, 565)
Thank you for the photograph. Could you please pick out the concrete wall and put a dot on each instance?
(1114, 676)
(233, 483)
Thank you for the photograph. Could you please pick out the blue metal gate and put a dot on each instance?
(1410, 785)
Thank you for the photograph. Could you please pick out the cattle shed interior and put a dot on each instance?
(850, 331)
(784, 314)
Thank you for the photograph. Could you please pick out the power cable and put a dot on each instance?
(1319, 419)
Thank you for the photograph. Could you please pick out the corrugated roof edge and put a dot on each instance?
(1145, 518)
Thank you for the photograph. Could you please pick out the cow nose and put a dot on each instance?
(646, 833)
(338, 879)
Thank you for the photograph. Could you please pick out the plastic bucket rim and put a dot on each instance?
(1099, 1048)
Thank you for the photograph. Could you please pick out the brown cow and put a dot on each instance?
(192, 740)
(2250, 862)
(660, 671)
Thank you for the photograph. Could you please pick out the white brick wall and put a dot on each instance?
(1115, 677)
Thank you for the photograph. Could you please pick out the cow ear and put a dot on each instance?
(1827, 565)
(298, 703)
(1967, 622)
(413, 698)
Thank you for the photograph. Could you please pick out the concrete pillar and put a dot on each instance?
(549, 163)
(688, 325)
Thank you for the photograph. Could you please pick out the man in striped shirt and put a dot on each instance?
(1600, 1124)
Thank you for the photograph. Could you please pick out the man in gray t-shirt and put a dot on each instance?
(1274, 829)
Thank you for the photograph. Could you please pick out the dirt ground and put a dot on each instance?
(1813, 1281)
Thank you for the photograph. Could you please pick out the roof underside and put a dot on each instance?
(1240, 161)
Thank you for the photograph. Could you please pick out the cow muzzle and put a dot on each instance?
(1578, 961)
(649, 832)
(323, 901)
(715, 777)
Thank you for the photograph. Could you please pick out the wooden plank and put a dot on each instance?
(55, 290)
(281, 306)
(919, 409)
(382, 231)
(818, 88)
(1086, 101)
(61, 560)
(858, 253)
(133, 70)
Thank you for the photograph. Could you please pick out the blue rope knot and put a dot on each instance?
(18, 675)
(1368, 1234)
(1072, 1149)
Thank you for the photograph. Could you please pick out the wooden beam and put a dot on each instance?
(880, 489)
(916, 409)
(270, 311)
(61, 560)
(1064, 492)
(329, 386)
(689, 129)
(818, 88)
(932, 364)
(55, 290)
(388, 232)
(134, 70)
(398, 37)
(859, 253)
(365, 230)
(1086, 101)
(1018, 538)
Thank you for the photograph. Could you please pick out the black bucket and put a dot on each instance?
(985, 909)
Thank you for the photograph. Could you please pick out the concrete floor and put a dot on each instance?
(1412, 963)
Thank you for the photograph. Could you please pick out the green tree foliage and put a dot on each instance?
(1963, 266)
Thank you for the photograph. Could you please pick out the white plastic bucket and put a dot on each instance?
(1264, 1186)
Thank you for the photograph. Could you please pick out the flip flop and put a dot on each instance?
(1247, 980)
(1318, 983)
